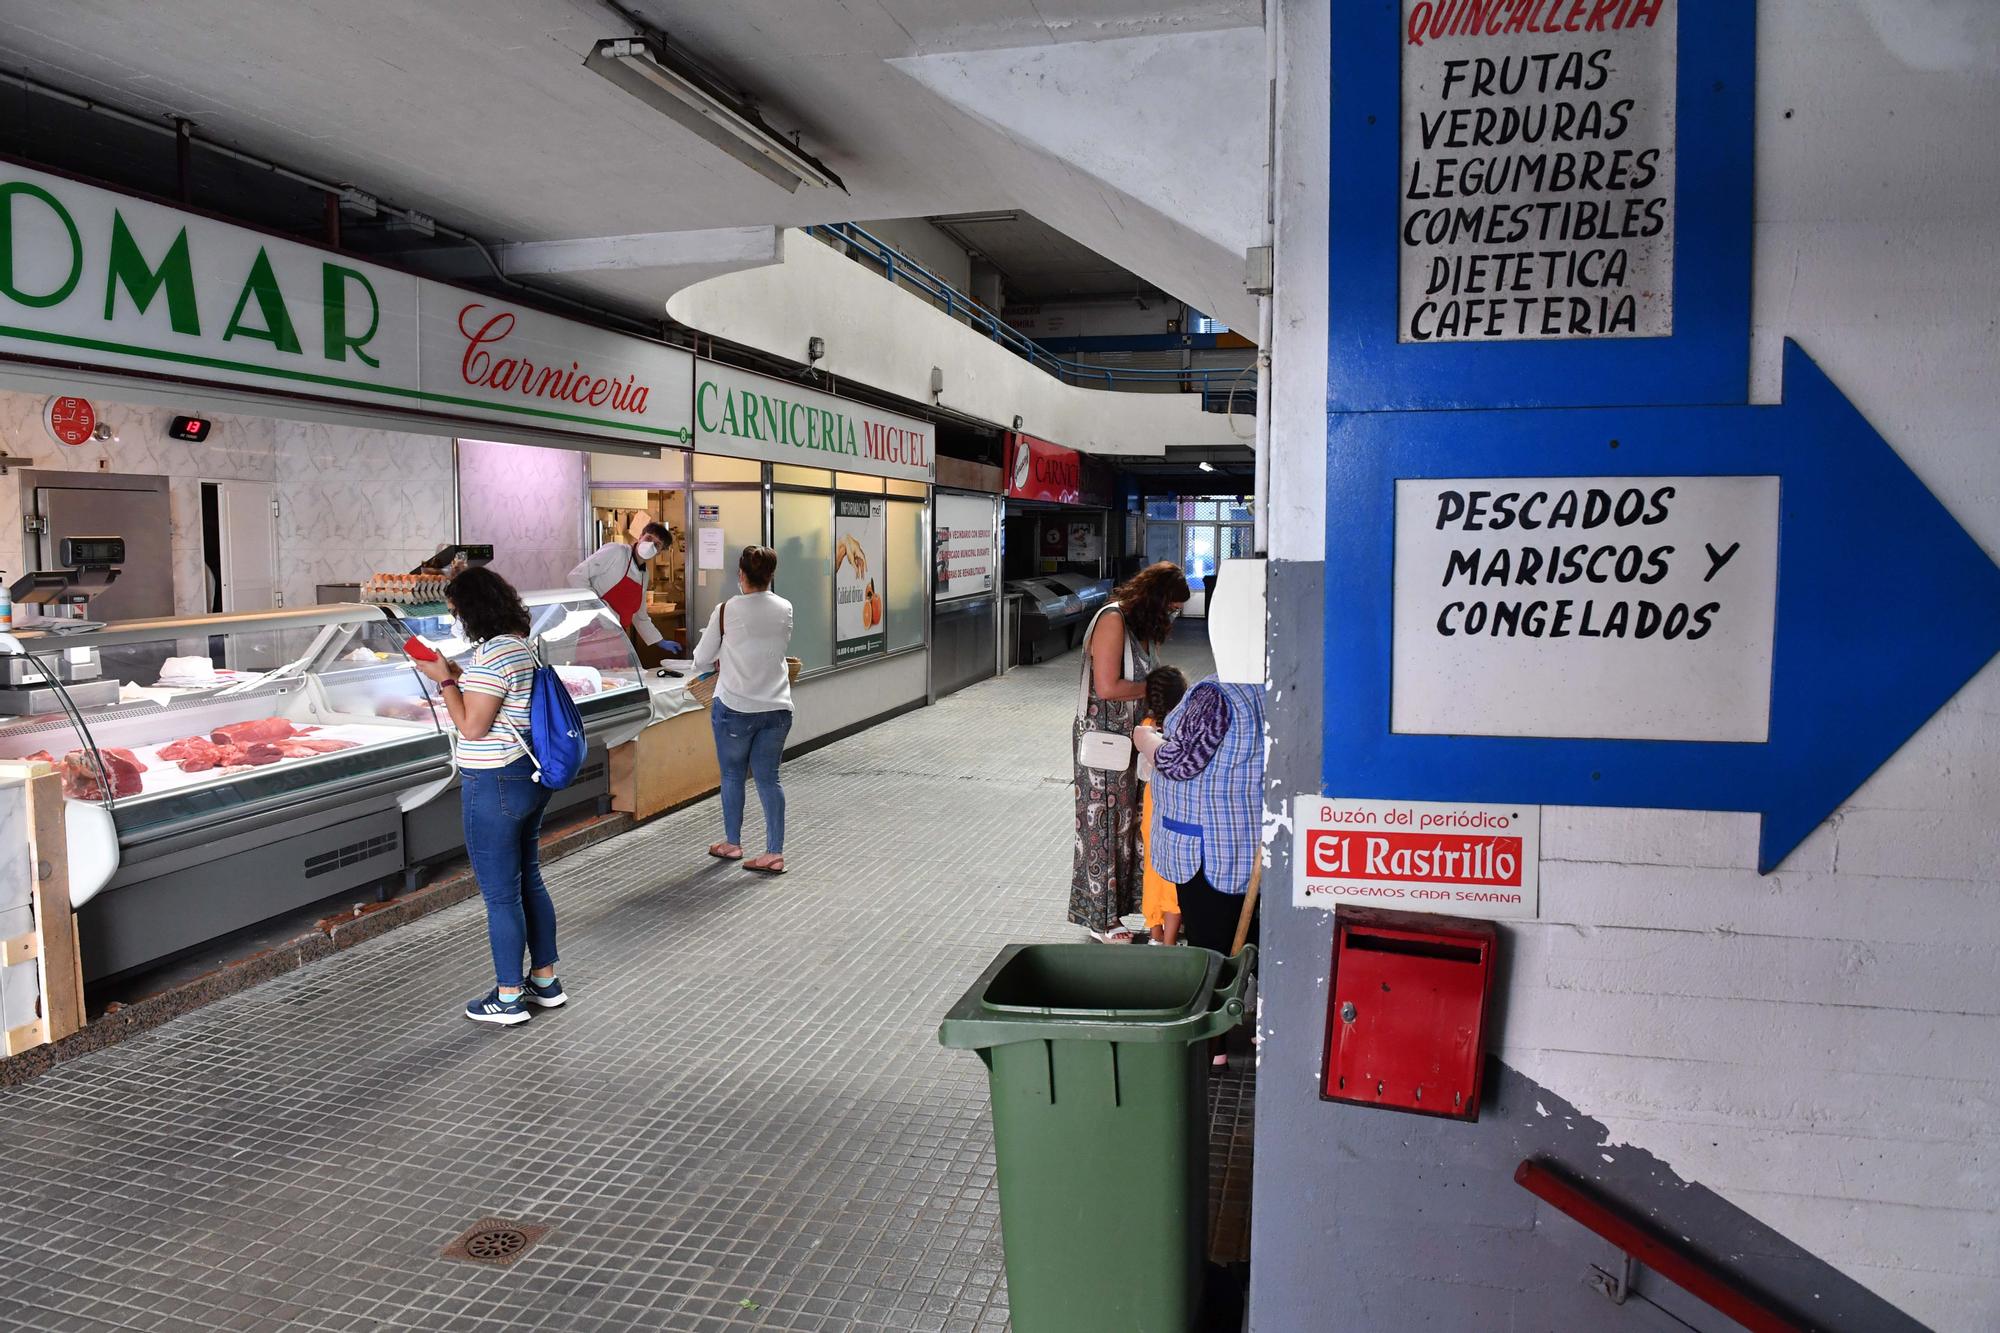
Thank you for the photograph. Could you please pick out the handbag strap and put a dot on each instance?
(1089, 660)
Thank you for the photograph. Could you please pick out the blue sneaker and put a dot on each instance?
(551, 996)
(493, 1009)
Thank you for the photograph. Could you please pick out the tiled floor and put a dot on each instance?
(743, 1121)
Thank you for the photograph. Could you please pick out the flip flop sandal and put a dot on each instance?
(1116, 935)
(763, 870)
(724, 856)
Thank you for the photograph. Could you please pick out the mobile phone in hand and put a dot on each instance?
(412, 644)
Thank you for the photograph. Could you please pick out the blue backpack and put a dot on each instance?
(555, 739)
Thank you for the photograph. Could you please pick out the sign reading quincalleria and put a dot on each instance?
(106, 281)
(747, 415)
(1538, 169)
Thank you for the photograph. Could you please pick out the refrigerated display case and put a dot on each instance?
(223, 770)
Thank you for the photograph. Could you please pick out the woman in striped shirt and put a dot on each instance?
(502, 801)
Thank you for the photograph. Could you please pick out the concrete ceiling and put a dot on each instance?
(484, 115)
(1038, 262)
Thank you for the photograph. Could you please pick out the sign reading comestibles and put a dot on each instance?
(745, 415)
(1538, 169)
(1421, 856)
(92, 277)
(1635, 608)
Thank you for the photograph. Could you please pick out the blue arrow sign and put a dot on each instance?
(1885, 606)
(1705, 356)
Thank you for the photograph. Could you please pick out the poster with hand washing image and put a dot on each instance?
(860, 545)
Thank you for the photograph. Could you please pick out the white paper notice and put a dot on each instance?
(1418, 856)
(1617, 608)
(711, 548)
(1538, 170)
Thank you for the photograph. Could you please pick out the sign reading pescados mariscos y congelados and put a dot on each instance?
(747, 415)
(1423, 856)
(1538, 169)
(92, 276)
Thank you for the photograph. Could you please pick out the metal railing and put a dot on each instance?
(1223, 388)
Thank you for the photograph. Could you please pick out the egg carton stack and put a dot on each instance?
(404, 589)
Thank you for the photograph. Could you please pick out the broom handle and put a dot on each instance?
(1249, 907)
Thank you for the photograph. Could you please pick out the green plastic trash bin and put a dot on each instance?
(1098, 1063)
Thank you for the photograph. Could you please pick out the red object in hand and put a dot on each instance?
(420, 650)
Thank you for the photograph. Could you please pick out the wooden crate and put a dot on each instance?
(670, 764)
(33, 794)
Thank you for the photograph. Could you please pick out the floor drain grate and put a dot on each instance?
(493, 1241)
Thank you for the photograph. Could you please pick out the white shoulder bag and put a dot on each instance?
(1109, 751)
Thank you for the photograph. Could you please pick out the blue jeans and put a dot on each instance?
(751, 744)
(503, 826)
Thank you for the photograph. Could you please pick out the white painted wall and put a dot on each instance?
(1821, 1046)
(880, 335)
(918, 239)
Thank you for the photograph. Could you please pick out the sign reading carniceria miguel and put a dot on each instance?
(1538, 169)
(106, 281)
(746, 415)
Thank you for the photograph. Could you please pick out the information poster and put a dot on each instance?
(1418, 856)
(1615, 608)
(860, 542)
(1084, 542)
(1537, 170)
(968, 551)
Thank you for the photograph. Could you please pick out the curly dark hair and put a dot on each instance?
(1166, 686)
(487, 604)
(1145, 597)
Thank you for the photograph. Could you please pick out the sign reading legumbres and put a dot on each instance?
(746, 415)
(1641, 608)
(1538, 169)
(105, 280)
(1418, 856)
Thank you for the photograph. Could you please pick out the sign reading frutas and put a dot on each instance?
(1639, 608)
(1538, 169)
(1419, 856)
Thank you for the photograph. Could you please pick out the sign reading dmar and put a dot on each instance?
(1422, 856)
(1538, 169)
(1637, 608)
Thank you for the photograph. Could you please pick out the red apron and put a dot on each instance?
(626, 596)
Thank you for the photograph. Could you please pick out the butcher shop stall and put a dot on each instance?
(221, 770)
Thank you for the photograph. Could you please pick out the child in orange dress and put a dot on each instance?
(1159, 900)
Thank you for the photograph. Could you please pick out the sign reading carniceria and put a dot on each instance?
(107, 281)
(746, 415)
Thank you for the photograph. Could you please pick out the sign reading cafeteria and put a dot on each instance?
(1538, 169)
(1418, 856)
(89, 276)
(746, 415)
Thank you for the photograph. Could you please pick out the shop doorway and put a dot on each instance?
(239, 546)
(1198, 533)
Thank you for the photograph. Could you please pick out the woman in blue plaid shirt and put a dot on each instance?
(1208, 804)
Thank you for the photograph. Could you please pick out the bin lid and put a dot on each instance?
(1088, 992)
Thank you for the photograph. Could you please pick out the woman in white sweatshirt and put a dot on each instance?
(752, 712)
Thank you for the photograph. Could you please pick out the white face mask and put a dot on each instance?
(647, 550)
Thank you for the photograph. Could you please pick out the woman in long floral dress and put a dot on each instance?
(1108, 876)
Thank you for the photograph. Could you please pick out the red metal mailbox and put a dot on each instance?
(1406, 1011)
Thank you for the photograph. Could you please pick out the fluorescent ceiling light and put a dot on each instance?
(1206, 466)
(671, 85)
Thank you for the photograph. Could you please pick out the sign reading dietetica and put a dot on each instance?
(1538, 169)
(95, 278)
(1420, 856)
(746, 415)
(1640, 608)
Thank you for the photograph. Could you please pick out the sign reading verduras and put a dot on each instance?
(746, 415)
(96, 278)
(1538, 169)
(1420, 856)
(968, 548)
(1636, 608)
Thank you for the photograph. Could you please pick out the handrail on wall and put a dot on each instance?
(899, 268)
(1685, 1269)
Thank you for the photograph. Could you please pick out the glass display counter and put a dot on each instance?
(235, 767)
